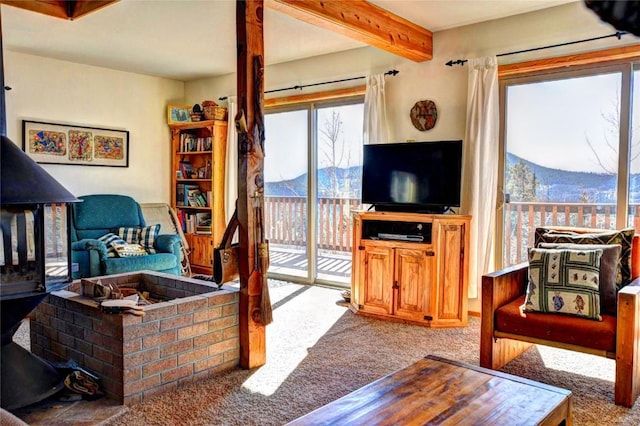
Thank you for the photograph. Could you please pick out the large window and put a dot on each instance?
(312, 181)
(571, 152)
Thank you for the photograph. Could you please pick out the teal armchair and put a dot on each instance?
(98, 215)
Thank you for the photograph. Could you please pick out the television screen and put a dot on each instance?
(412, 176)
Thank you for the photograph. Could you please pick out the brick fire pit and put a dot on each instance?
(191, 336)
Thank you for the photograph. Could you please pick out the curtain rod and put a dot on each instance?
(617, 34)
(300, 87)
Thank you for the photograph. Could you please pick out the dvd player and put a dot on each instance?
(400, 237)
(418, 232)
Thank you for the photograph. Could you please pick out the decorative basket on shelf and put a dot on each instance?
(219, 113)
(212, 111)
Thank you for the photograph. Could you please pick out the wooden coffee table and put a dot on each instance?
(439, 391)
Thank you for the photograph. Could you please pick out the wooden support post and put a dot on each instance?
(250, 125)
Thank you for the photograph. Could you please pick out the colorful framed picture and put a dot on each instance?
(52, 143)
(178, 114)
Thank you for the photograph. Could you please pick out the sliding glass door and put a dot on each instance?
(312, 182)
(286, 175)
(338, 132)
(570, 153)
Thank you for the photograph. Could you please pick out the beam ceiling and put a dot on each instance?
(364, 22)
(65, 9)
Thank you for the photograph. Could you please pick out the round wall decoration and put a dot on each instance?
(424, 115)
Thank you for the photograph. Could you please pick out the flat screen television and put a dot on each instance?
(412, 176)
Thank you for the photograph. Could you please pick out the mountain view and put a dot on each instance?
(550, 184)
(572, 187)
(348, 183)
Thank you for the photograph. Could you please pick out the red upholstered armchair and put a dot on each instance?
(505, 333)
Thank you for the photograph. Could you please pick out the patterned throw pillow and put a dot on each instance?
(130, 235)
(624, 237)
(564, 281)
(608, 271)
(109, 238)
(129, 250)
(148, 236)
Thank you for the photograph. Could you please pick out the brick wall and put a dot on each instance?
(188, 338)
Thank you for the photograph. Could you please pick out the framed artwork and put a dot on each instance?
(178, 114)
(51, 143)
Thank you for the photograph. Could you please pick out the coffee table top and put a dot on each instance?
(440, 391)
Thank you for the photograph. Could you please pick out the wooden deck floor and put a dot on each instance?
(294, 261)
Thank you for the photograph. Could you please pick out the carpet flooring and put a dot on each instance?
(318, 351)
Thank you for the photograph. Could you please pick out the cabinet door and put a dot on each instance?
(201, 251)
(412, 283)
(377, 279)
(451, 285)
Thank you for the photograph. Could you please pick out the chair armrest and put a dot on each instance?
(91, 262)
(629, 306)
(79, 245)
(498, 289)
(99, 247)
(168, 243)
(89, 244)
(501, 287)
(628, 345)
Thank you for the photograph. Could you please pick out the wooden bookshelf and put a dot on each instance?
(199, 151)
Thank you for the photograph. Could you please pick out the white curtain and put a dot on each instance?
(480, 177)
(376, 128)
(231, 162)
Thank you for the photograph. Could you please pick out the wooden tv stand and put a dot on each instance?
(411, 267)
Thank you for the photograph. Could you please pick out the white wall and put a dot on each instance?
(56, 91)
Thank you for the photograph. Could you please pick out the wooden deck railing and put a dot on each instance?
(521, 219)
(286, 221)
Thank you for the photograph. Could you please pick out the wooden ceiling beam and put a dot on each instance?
(362, 21)
(64, 9)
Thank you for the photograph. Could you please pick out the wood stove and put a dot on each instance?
(34, 260)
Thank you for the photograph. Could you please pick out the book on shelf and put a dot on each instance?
(195, 223)
(180, 215)
(191, 143)
(191, 193)
(186, 142)
(187, 195)
(180, 194)
(194, 197)
(186, 169)
(203, 229)
(187, 221)
(203, 223)
(202, 201)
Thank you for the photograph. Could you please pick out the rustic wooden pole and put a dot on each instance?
(250, 126)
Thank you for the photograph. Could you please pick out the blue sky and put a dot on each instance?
(549, 123)
(286, 141)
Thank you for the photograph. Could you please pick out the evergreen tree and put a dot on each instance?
(521, 182)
